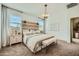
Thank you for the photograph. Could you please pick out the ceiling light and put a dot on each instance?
(45, 14)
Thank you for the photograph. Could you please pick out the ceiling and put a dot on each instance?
(37, 8)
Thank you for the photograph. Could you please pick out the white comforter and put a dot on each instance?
(32, 40)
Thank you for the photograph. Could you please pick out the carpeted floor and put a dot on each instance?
(61, 49)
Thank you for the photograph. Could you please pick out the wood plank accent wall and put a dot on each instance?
(30, 25)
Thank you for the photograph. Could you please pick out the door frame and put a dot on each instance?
(71, 27)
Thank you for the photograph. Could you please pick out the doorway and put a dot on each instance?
(74, 26)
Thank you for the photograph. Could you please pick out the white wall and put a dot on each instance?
(59, 25)
(60, 22)
(0, 25)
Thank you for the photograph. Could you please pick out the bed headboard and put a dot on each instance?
(30, 27)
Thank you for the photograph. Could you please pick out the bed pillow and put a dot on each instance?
(26, 32)
(37, 31)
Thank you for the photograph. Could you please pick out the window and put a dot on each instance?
(15, 21)
(41, 25)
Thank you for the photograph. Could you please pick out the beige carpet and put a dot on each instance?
(61, 49)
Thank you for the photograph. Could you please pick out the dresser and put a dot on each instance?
(15, 36)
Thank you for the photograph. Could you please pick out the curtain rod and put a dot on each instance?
(12, 8)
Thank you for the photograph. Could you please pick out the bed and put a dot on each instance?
(35, 42)
(35, 39)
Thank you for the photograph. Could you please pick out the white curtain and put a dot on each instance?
(4, 26)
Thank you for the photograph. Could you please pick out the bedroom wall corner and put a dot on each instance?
(60, 22)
